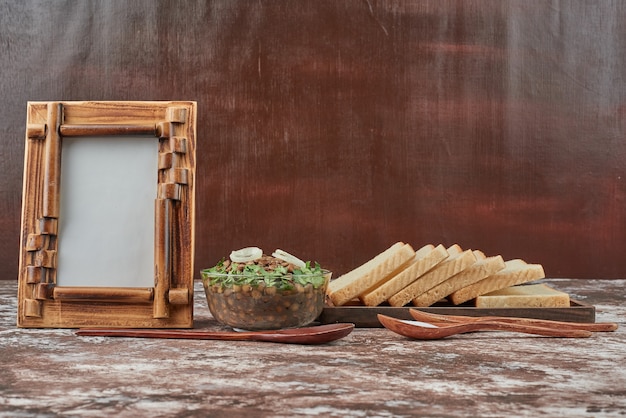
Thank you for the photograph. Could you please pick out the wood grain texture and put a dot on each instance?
(333, 129)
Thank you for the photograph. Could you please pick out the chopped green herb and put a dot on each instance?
(235, 274)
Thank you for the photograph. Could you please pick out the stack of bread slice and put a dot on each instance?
(401, 276)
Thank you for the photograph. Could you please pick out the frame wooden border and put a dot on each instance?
(169, 304)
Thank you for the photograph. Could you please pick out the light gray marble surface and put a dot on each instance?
(370, 373)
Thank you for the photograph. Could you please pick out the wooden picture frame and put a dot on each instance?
(42, 303)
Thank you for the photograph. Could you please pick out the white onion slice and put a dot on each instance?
(246, 254)
(285, 256)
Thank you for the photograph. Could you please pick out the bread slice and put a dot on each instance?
(516, 272)
(425, 259)
(368, 275)
(457, 261)
(524, 296)
(481, 269)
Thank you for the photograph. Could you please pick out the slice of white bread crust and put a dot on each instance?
(368, 275)
(425, 259)
(524, 296)
(516, 272)
(481, 269)
(457, 261)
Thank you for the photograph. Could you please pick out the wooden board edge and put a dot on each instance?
(366, 317)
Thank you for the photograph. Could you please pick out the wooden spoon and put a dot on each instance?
(430, 331)
(306, 335)
(594, 327)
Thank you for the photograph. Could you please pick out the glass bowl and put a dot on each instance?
(247, 302)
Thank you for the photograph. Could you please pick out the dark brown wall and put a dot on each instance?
(332, 129)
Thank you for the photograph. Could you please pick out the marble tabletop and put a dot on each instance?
(370, 373)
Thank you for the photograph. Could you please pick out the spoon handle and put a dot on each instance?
(169, 334)
(594, 327)
(527, 329)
